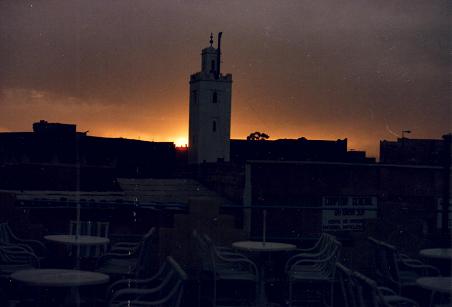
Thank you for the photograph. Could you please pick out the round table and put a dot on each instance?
(80, 240)
(437, 253)
(259, 246)
(82, 245)
(262, 248)
(59, 278)
(436, 284)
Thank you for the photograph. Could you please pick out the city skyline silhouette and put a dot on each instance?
(320, 71)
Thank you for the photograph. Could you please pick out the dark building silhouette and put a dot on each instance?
(45, 128)
(412, 151)
(56, 156)
(396, 192)
(300, 149)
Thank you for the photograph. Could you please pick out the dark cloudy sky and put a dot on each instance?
(320, 69)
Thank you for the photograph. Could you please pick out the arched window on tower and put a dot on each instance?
(214, 97)
(212, 66)
(214, 126)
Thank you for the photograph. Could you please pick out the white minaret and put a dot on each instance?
(210, 109)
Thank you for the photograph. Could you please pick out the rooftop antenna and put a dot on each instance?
(217, 74)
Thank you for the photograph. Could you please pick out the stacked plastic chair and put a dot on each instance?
(315, 267)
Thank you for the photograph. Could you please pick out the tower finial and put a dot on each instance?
(211, 39)
(217, 72)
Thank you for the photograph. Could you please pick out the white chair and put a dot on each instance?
(345, 279)
(395, 271)
(14, 258)
(7, 236)
(318, 251)
(163, 289)
(225, 268)
(136, 263)
(318, 270)
(90, 228)
(370, 295)
(358, 291)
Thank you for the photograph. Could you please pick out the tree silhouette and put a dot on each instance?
(257, 136)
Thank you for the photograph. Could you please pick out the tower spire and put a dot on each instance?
(217, 72)
(211, 39)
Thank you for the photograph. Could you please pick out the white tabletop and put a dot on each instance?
(438, 284)
(60, 278)
(259, 246)
(437, 253)
(80, 240)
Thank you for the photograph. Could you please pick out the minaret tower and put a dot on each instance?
(210, 109)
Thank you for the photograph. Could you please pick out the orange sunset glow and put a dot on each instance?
(313, 70)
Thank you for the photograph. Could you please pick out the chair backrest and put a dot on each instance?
(324, 241)
(348, 287)
(334, 252)
(368, 293)
(102, 229)
(203, 251)
(378, 259)
(210, 253)
(4, 233)
(14, 255)
(385, 263)
(327, 259)
(213, 254)
(144, 263)
(90, 228)
(323, 245)
(392, 264)
(176, 285)
(167, 291)
(83, 228)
